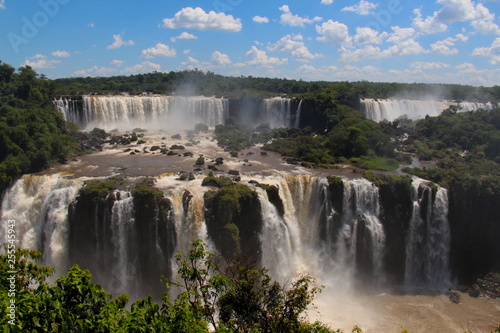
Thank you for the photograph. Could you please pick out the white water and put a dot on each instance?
(123, 266)
(173, 113)
(339, 248)
(39, 205)
(428, 239)
(277, 112)
(391, 109)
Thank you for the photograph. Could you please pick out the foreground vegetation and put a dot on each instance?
(239, 298)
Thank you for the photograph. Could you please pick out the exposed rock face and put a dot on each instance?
(475, 228)
(233, 218)
(143, 240)
(395, 214)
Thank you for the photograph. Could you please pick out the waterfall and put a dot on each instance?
(331, 230)
(277, 112)
(124, 263)
(152, 112)
(391, 109)
(428, 239)
(297, 116)
(70, 109)
(295, 242)
(39, 205)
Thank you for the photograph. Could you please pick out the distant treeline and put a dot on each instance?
(196, 82)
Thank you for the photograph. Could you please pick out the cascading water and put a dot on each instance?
(294, 243)
(39, 205)
(277, 112)
(391, 109)
(124, 263)
(154, 112)
(335, 235)
(428, 239)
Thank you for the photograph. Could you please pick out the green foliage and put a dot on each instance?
(216, 181)
(98, 189)
(240, 298)
(33, 135)
(200, 160)
(378, 163)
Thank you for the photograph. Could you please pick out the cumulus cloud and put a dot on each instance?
(446, 46)
(197, 18)
(492, 52)
(369, 36)
(334, 33)
(362, 8)
(159, 50)
(40, 61)
(287, 18)
(2, 4)
(295, 45)
(143, 67)
(220, 59)
(260, 58)
(95, 71)
(404, 44)
(260, 19)
(480, 18)
(184, 35)
(326, 2)
(119, 42)
(61, 54)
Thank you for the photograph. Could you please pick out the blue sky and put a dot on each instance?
(445, 41)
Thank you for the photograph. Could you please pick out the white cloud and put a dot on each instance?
(287, 18)
(220, 59)
(186, 51)
(117, 63)
(40, 61)
(445, 46)
(197, 18)
(61, 54)
(119, 42)
(160, 50)
(404, 44)
(334, 33)
(362, 8)
(2, 4)
(143, 67)
(260, 19)
(452, 11)
(260, 58)
(493, 52)
(428, 65)
(294, 44)
(368, 36)
(184, 35)
(326, 2)
(95, 71)
(91, 25)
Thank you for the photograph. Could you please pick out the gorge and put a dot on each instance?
(125, 216)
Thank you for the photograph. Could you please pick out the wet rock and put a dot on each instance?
(454, 296)
(234, 172)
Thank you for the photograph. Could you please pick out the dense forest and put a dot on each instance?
(195, 82)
